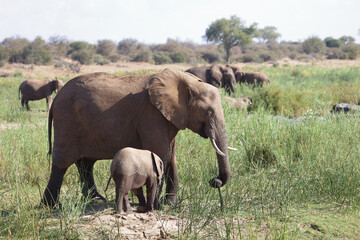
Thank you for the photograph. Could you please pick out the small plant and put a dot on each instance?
(18, 74)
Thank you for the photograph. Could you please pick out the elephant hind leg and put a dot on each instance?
(85, 168)
(27, 105)
(51, 193)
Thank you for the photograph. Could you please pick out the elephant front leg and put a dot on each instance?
(49, 102)
(85, 168)
(51, 193)
(171, 176)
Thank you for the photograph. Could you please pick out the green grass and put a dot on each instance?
(289, 180)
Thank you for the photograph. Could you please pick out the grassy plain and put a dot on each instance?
(290, 179)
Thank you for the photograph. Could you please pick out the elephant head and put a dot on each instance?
(224, 76)
(239, 76)
(187, 102)
(56, 85)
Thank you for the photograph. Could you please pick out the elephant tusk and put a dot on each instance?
(232, 149)
(216, 147)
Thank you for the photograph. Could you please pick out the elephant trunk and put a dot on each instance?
(218, 139)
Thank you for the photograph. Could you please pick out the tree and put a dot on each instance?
(268, 34)
(333, 43)
(229, 33)
(347, 39)
(60, 46)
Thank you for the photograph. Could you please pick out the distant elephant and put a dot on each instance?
(252, 78)
(131, 169)
(97, 114)
(239, 103)
(38, 89)
(235, 68)
(216, 75)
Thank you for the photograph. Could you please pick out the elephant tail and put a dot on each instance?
(49, 131)
(19, 93)
(107, 184)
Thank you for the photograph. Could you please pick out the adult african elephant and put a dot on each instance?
(38, 89)
(216, 75)
(97, 114)
(253, 78)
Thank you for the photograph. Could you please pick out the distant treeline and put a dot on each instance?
(41, 52)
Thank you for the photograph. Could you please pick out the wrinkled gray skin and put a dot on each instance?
(252, 78)
(32, 90)
(216, 75)
(239, 103)
(97, 114)
(131, 169)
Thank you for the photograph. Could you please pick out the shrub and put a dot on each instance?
(106, 48)
(248, 58)
(351, 51)
(211, 57)
(82, 52)
(143, 55)
(3, 53)
(59, 46)
(127, 46)
(161, 58)
(178, 57)
(14, 48)
(313, 45)
(332, 43)
(2, 63)
(37, 52)
(83, 56)
(100, 60)
(335, 53)
(18, 74)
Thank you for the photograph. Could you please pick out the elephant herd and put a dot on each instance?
(95, 115)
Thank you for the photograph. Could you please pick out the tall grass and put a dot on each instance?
(284, 170)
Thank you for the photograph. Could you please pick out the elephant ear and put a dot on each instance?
(215, 72)
(169, 92)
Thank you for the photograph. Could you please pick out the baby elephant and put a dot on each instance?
(239, 103)
(38, 89)
(131, 169)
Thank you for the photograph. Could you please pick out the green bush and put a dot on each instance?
(100, 60)
(37, 52)
(143, 55)
(161, 58)
(333, 43)
(3, 53)
(335, 53)
(211, 57)
(18, 74)
(351, 51)
(313, 45)
(106, 48)
(178, 57)
(83, 56)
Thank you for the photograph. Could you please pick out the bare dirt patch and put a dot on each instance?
(130, 225)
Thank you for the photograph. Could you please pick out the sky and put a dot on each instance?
(155, 21)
